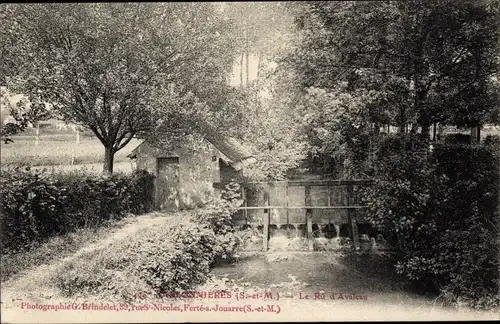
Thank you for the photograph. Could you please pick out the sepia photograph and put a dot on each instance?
(253, 161)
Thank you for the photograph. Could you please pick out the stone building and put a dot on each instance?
(187, 170)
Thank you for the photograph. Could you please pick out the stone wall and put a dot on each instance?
(198, 167)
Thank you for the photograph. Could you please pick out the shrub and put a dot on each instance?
(184, 264)
(219, 216)
(493, 143)
(165, 258)
(439, 211)
(457, 138)
(170, 257)
(465, 207)
(140, 193)
(36, 205)
(32, 207)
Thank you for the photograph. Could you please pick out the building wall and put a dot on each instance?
(147, 162)
(198, 172)
(198, 168)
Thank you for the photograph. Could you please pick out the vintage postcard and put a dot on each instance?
(250, 161)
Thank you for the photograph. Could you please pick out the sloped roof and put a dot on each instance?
(239, 156)
(146, 145)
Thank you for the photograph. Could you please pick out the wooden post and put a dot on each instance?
(329, 195)
(77, 136)
(266, 219)
(73, 156)
(329, 203)
(352, 220)
(310, 239)
(245, 203)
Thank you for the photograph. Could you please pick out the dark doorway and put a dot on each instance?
(167, 183)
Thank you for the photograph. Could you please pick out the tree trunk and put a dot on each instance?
(246, 53)
(37, 139)
(259, 66)
(426, 130)
(109, 155)
(241, 69)
(246, 69)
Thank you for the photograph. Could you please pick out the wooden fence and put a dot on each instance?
(303, 206)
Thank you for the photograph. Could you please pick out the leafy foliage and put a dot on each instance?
(23, 112)
(279, 147)
(184, 264)
(337, 126)
(119, 69)
(168, 258)
(218, 214)
(360, 65)
(37, 205)
(267, 125)
(424, 60)
(440, 212)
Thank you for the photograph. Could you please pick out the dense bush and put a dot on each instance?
(439, 210)
(173, 256)
(31, 208)
(184, 263)
(141, 192)
(36, 205)
(457, 138)
(218, 215)
(493, 142)
(204, 239)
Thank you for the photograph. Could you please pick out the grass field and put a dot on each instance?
(95, 168)
(58, 149)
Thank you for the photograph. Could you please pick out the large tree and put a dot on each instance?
(261, 30)
(120, 70)
(400, 63)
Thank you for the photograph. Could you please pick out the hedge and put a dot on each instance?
(36, 205)
(439, 210)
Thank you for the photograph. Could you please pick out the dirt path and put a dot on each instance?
(26, 287)
(289, 277)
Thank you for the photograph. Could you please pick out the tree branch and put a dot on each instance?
(120, 146)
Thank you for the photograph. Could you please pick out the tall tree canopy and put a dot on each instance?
(120, 70)
(393, 62)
